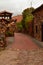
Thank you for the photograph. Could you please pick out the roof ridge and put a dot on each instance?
(5, 11)
(37, 8)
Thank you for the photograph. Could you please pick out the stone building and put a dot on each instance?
(38, 23)
(7, 16)
(8, 22)
(2, 34)
(11, 27)
(5, 20)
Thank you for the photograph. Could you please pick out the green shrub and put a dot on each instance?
(8, 33)
(19, 26)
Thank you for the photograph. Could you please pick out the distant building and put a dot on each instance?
(18, 18)
(38, 23)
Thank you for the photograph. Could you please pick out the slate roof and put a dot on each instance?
(37, 9)
(5, 12)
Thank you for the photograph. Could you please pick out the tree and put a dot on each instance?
(19, 26)
(27, 11)
(27, 17)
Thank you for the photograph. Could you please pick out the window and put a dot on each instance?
(8, 17)
(5, 17)
(0, 17)
(36, 29)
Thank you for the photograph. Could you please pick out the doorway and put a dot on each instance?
(42, 31)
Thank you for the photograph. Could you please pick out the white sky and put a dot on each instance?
(17, 6)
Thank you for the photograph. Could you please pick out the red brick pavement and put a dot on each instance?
(22, 41)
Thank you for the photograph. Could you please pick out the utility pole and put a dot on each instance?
(31, 3)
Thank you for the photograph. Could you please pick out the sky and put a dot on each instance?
(17, 6)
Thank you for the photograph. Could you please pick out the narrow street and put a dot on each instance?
(22, 41)
(23, 51)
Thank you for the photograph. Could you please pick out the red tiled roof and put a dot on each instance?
(19, 18)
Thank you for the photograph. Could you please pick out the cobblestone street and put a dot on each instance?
(21, 57)
(22, 52)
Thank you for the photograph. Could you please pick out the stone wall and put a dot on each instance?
(38, 20)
